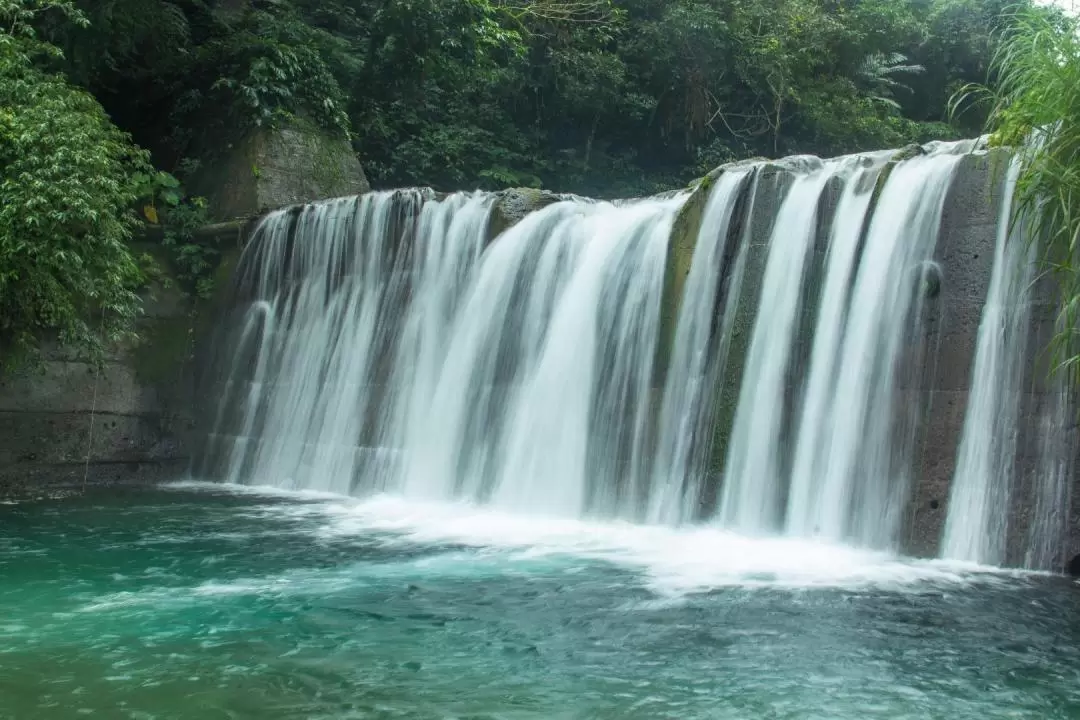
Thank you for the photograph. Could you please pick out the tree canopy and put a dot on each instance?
(599, 97)
(604, 97)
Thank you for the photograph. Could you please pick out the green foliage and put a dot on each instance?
(582, 95)
(878, 72)
(164, 201)
(1035, 108)
(194, 259)
(65, 268)
(272, 70)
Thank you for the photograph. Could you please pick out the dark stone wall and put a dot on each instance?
(944, 377)
(69, 422)
(937, 391)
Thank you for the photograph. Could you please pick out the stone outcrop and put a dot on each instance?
(513, 205)
(275, 167)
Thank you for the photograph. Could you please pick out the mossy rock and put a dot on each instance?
(908, 152)
(513, 205)
(276, 167)
(164, 348)
(680, 255)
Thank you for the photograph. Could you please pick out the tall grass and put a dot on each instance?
(1035, 108)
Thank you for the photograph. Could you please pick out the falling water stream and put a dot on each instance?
(752, 491)
(517, 375)
(699, 355)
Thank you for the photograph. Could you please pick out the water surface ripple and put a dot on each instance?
(190, 602)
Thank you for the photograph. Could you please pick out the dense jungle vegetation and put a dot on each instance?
(1035, 106)
(106, 106)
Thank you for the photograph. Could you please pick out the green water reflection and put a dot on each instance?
(185, 604)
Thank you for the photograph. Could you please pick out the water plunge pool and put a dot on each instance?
(208, 602)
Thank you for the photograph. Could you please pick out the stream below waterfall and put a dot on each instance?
(205, 602)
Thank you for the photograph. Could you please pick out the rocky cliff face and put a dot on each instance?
(272, 168)
(70, 422)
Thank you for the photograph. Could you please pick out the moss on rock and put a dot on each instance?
(908, 152)
(513, 205)
(680, 255)
(276, 167)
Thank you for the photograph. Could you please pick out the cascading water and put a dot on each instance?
(1049, 522)
(379, 329)
(699, 356)
(849, 482)
(752, 488)
(979, 502)
(326, 287)
(846, 482)
(543, 399)
(384, 344)
(807, 500)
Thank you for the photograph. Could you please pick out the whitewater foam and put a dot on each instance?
(671, 562)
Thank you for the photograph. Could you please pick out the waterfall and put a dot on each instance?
(1050, 516)
(979, 501)
(384, 346)
(700, 355)
(325, 288)
(751, 495)
(846, 481)
(810, 505)
(849, 482)
(389, 343)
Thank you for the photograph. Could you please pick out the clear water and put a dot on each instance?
(203, 603)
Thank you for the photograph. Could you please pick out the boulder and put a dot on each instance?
(513, 205)
(275, 167)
